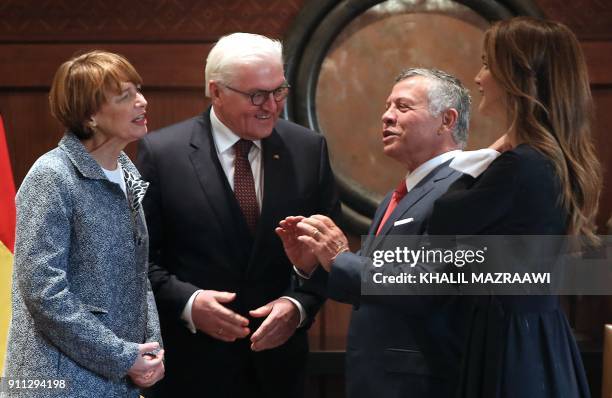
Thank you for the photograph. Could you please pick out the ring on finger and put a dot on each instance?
(315, 233)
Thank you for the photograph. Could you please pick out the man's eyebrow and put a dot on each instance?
(407, 99)
(275, 88)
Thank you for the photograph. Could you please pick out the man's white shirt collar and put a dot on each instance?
(414, 177)
(224, 137)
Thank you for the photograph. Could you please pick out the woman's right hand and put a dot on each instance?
(148, 368)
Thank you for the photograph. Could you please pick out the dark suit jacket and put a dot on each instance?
(518, 345)
(400, 346)
(200, 240)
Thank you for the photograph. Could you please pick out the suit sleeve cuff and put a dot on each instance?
(344, 283)
(301, 273)
(300, 309)
(186, 314)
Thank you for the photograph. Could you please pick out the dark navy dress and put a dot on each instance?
(517, 346)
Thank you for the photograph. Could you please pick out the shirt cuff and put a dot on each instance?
(300, 309)
(186, 315)
(474, 162)
(301, 273)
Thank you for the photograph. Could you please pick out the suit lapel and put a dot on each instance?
(413, 197)
(216, 188)
(380, 212)
(275, 164)
(418, 193)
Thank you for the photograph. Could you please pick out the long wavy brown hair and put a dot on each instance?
(542, 69)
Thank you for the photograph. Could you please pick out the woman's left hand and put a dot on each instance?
(148, 369)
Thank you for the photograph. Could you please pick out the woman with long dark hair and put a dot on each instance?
(547, 183)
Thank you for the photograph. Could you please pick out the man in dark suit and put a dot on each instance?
(233, 319)
(400, 346)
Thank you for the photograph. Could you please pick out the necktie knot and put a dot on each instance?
(401, 189)
(242, 148)
(397, 196)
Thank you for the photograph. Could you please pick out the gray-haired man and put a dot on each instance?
(398, 346)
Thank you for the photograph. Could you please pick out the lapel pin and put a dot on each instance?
(275, 156)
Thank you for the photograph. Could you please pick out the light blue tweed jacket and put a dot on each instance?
(81, 297)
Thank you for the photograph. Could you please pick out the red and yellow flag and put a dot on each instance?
(7, 240)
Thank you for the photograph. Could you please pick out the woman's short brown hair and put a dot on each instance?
(80, 85)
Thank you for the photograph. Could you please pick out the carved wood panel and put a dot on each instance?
(142, 21)
(589, 19)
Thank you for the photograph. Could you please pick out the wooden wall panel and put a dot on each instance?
(598, 55)
(166, 107)
(31, 131)
(160, 65)
(589, 19)
(603, 120)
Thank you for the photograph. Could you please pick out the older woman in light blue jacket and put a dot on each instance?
(84, 317)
